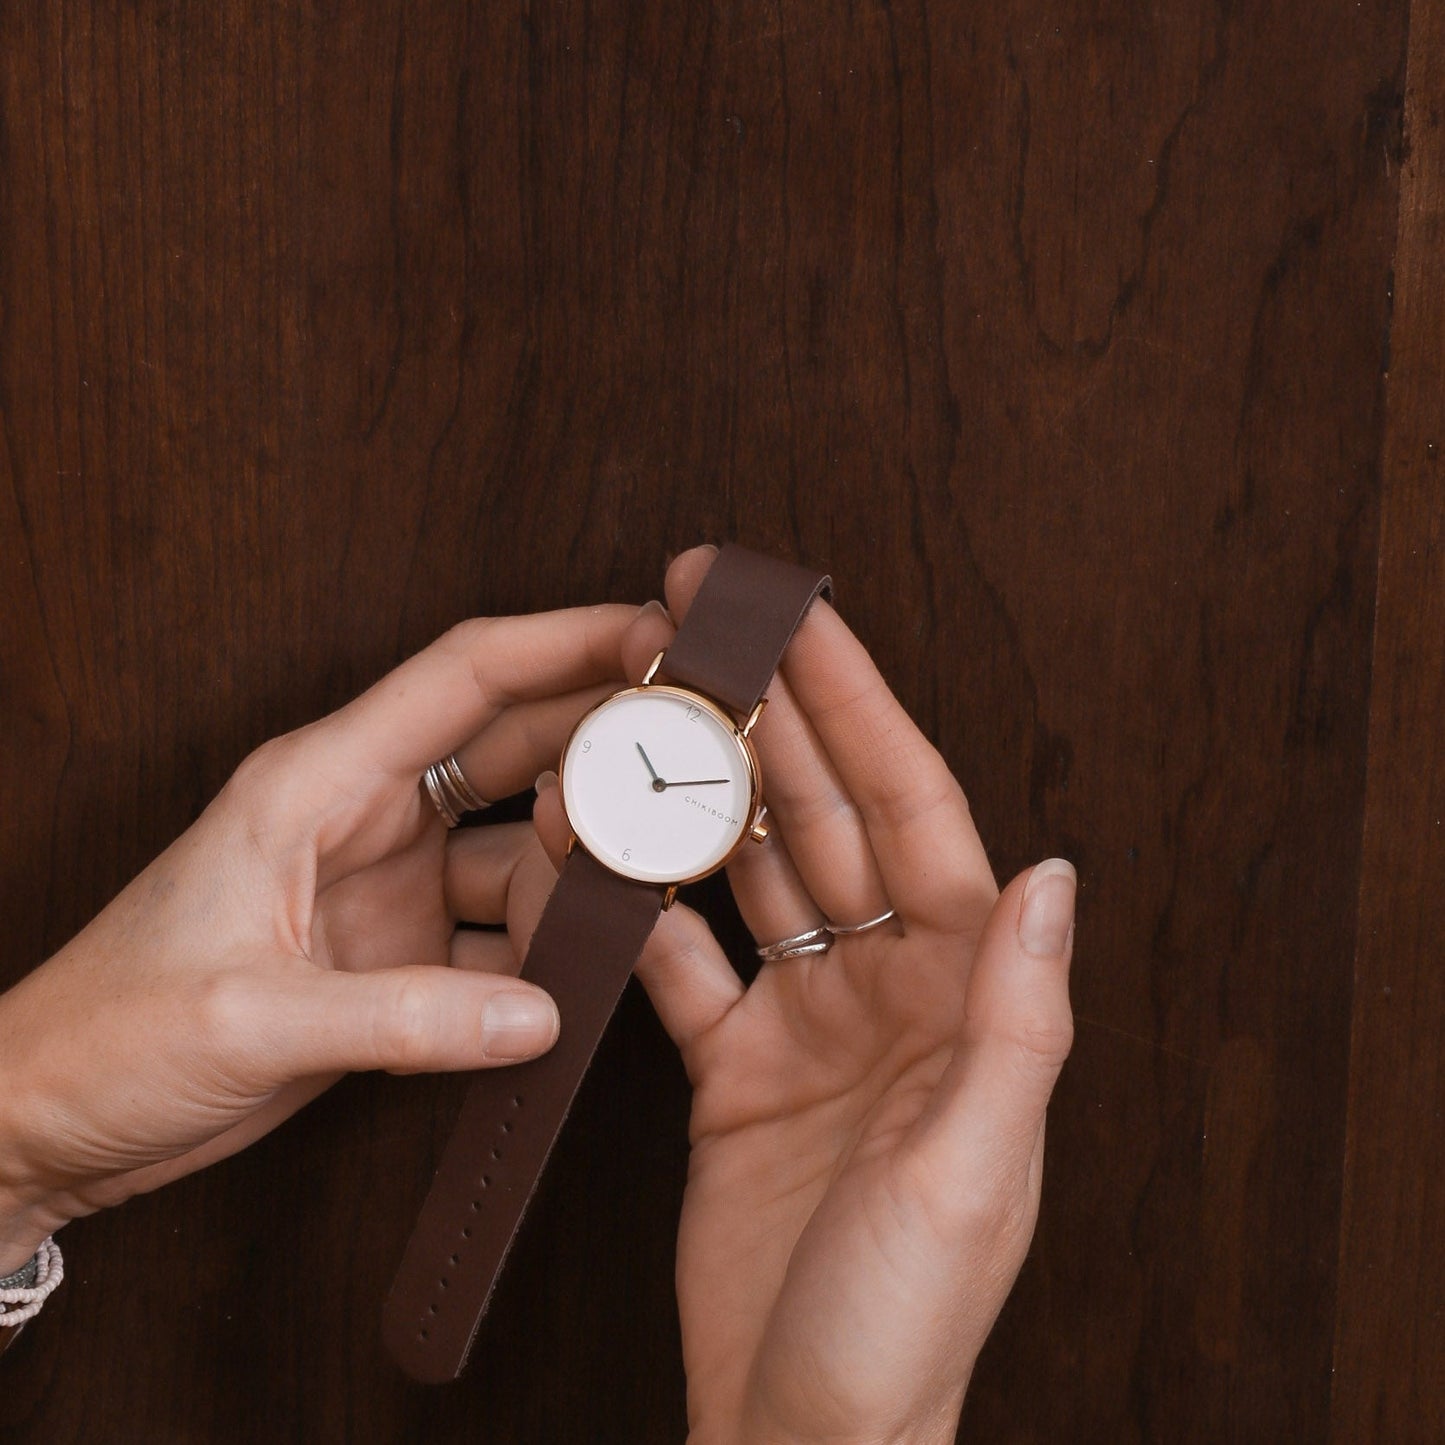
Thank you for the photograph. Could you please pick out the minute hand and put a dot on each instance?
(699, 782)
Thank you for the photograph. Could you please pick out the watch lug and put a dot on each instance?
(753, 716)
(571, 844)
(669, 897)
(652, 670)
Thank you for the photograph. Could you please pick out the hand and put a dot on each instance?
(867, 1124)
(303, 927)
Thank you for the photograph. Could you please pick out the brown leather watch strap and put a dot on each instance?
(743, 617)
(589, 937)
(591, 932)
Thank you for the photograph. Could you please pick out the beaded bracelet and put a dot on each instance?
(21, 1301)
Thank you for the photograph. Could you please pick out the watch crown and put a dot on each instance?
(759, 833)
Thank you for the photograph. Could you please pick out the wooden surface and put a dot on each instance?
(1389, 1331)
(1095, 349)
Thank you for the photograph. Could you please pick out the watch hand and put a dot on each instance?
(697, 783)
(657, 783)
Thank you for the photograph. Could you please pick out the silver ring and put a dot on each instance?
(842, 930)
(814, 940)
(447, 786)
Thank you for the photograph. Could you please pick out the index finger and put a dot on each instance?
(430, 705)
(932, 860)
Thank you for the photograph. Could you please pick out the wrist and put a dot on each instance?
(20, 1237)
(939, 1429)
(24, 1226)
(24, 1294)
(923, 1423)
(27, 1212)
(930, 1434)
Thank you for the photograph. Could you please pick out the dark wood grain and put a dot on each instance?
(1059, 334)
(1390, 1343)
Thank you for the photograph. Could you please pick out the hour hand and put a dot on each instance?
(658, 785)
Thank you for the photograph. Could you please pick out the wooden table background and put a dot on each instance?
(1096, 349)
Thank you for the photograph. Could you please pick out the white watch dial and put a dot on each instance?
(658, 784)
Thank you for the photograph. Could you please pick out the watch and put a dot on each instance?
(661, 787)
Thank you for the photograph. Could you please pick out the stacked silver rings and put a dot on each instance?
(842, 930)
(447, 786)
(817, 940)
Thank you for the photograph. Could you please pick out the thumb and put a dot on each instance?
(419, 1019)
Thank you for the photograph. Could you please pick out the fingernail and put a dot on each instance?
(519, 1025)
(548, 779)
(1047, 917)
(652, 609)
(670, 556)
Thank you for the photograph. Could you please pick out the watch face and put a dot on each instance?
(659, 785)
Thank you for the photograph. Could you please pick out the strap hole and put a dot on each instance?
(424, 1334)
(454, 1259)
(516, 1101)
(467, 1232)
(443, 1281)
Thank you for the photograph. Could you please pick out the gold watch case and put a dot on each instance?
(753, 829)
